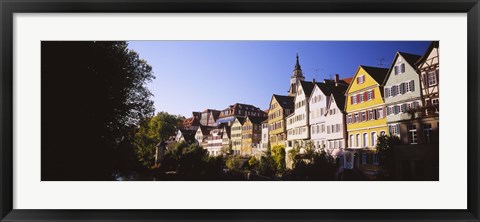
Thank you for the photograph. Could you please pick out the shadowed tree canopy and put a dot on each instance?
(93, 95)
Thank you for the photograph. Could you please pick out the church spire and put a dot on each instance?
(297, 76)
(297, 72)
(297, 65)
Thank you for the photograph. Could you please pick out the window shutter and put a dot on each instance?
(388, 111)
(373, 94)
(398, 128)
(358, 80)
(436, 75)
(386, 92)
(425, 82)
(401, 88)
(403, 67)
(365, 96)
(351, 99)
(358, 98)
(412, 86)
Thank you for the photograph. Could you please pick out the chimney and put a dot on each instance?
(313, 81)
(337, 79)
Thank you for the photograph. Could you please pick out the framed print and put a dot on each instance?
(268, 110)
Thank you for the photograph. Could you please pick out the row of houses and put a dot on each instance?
(235, 130)
(343, 117)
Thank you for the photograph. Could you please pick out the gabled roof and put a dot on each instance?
(188, 135)
(377, 73)
(206, 129)
(307, 87)
(286, 102)
(332, 81)
(410, 58)
(256, 119)
(240, 119)
(348, 80)
(324, 88)
(433, 44)
(227, 130)
(338, 95)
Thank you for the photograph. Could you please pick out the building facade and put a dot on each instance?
(335, 119)
(417, 155)
(236, 135)
(251, 135)
(366, 118)
(280, 108)
(298, 129)
(214, 142)
(402, 92)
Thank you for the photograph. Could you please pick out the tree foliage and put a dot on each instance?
(93, 95)
(278, 154)
(386, 151)
(150, 132)
(310, 164)
(192, 162)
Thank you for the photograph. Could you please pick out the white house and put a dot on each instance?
(214, 142)
(317, 120)
(335, 122)
(298, 130)
(264, 141)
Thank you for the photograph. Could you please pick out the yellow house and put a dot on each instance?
(236, 135)
(280, 108)
(366, 119)
(251, 134)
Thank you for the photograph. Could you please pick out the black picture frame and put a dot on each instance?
(9, 7)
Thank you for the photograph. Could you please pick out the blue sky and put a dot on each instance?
(196, 75)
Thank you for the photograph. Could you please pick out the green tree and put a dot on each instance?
(278, 154)
(150, 132)
(253, 163)
(386, 151)
(93, 95)
(234, 163)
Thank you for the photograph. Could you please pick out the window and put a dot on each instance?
(363, 118)
(380, 113)
(360, 79)
(427, 132)
(432, 78)
(403, 108)
(400, 69)
(351, 140)
(356, 117)
(354, 99)
(412, 134)
(357, 141)
(365, 139)
(373, 140)
(397, 70)
(394, 129)
(361, 97)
